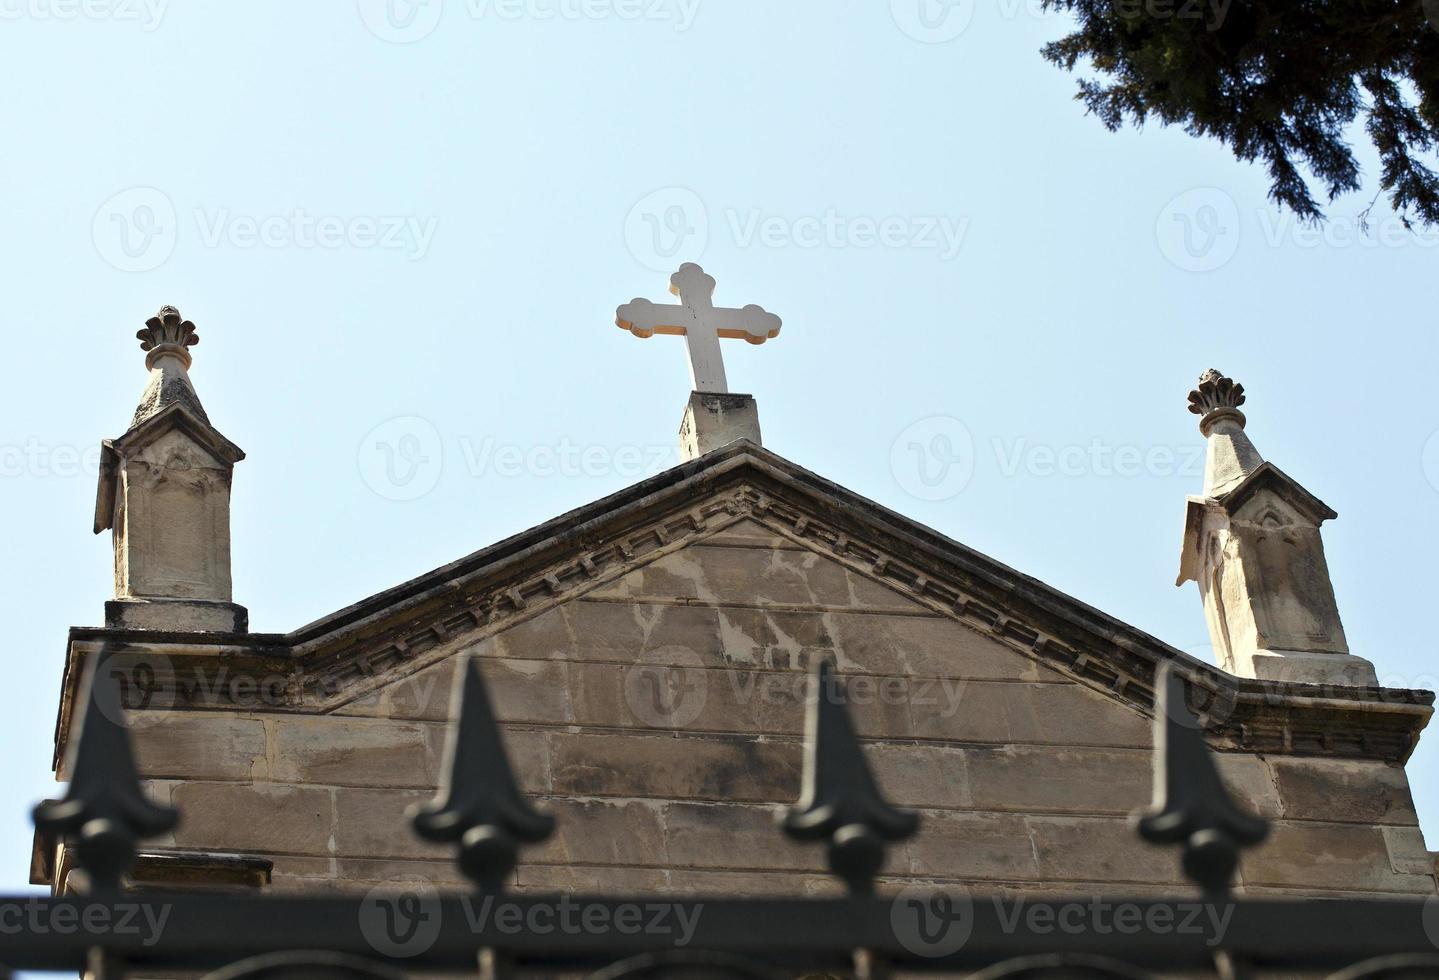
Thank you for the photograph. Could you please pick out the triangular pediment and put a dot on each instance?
(746, 556)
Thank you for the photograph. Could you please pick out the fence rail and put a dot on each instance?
(109, 932)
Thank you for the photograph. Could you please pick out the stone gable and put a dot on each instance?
(648, 659)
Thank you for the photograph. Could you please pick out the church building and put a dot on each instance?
(649, 657)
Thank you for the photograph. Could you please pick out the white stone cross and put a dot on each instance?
(700, 323)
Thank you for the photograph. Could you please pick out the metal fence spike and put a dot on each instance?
(480, 805)
(1191, 805)
(840, 801)
(104, 809)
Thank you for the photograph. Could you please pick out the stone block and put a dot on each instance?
(198, 745)
(970, 846)
(1052, 778)
(717, 835)
(1343, 790)
(1338, 857)
(336, 750)
(735, 768)
(264, 817)
(1099, 849)
(371, 823)
(616, 832)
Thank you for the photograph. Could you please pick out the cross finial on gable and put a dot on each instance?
(701, 324)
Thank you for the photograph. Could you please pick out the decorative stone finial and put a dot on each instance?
(1217, 397)
(167, 332)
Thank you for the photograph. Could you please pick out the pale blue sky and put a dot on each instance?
(941, 228)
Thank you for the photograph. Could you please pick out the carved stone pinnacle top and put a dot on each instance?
(1216, 398)
(167, 332)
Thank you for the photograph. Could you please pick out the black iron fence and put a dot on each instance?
(101, 927)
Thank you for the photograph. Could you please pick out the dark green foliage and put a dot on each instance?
(1277, 81)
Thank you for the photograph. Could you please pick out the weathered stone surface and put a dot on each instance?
(190, 745)
(713, 835)
(371, 823)
(749, 533)
(348, 751)
(732, 768)
(971, 846)
(1330, 856)
(1092, 849)
(619, 832)
(745, 576)
(752, 883)
(1030, 778)
(929, 646)
(919, 775)
(263, 817)
(1343, 790)
(591, 880)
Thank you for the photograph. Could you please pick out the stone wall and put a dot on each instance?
(659, 716)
